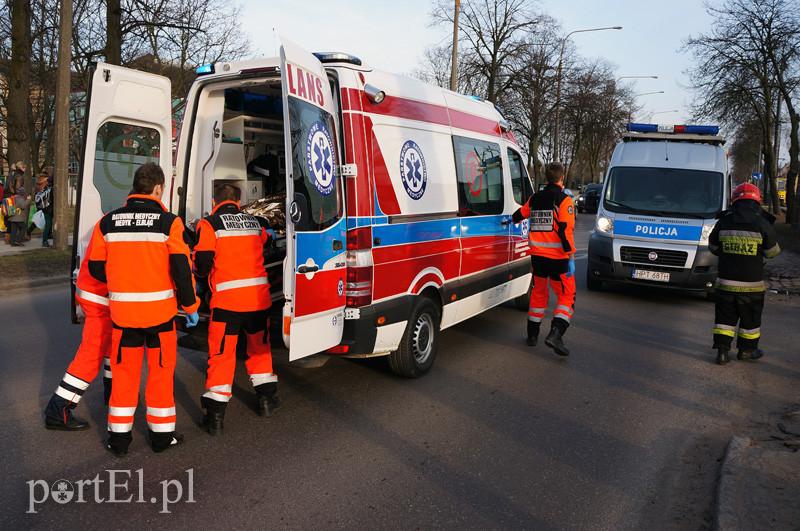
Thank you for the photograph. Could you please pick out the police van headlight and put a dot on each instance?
(604, 224)
(705, 233)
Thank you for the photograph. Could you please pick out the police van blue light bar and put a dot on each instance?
(677, 129)
(203, 70)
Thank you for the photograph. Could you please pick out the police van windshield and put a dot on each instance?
(664, 192)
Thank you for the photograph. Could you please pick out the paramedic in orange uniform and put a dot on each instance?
(140, 252)
(551, 215)
(230, 252)
(92, 295)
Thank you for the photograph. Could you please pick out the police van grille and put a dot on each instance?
(641, 255)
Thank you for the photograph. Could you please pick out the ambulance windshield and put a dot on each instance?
(664, 192)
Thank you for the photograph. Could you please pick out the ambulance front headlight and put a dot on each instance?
(604, 224)
(705, 233)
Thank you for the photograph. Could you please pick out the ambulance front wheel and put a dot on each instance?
(420, 341)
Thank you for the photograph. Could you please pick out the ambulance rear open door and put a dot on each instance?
(315, 266)
(128, 123)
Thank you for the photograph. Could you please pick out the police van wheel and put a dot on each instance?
(420, 341)
(592, 283)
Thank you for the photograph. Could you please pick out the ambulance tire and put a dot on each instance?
(522, 302)
(420, 341)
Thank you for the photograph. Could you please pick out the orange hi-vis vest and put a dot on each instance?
(551, 218)
(230, 251)
(140, 252)
(89, 290)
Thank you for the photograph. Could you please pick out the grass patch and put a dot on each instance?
(37, 263)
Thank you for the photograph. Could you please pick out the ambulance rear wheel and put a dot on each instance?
(420, 341)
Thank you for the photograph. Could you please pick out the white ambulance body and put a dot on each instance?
(395, 196)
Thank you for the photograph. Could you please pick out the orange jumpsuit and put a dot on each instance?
(230, 251)
(140, 252)
(551, 217)
(92, 295)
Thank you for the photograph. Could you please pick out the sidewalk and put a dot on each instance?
(783, 272)
(32, 245)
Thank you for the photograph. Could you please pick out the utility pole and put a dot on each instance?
(454, 58)
(61, 141)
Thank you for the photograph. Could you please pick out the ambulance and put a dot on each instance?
(390, 199)
(662, 193)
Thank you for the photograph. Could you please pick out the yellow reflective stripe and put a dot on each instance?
(773, 251)
(749, 335)
(723, 332)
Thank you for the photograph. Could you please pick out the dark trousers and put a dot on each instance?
(48, 227)
(17, 231)
(742, 309)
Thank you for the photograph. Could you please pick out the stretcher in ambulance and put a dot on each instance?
(390, 200)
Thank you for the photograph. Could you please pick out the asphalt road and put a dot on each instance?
(625, 433)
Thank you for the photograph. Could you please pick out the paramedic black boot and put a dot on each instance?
(533, 333)
(214, 417)
(750, 354)
(722, 356)
(58, 416)
(268, 401)
(555, 340)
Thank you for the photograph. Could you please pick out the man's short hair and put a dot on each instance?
(147, 177)
(554, 172)
(226, 192)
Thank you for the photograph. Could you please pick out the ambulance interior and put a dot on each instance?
(242, 123)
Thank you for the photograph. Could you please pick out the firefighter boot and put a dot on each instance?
(214, 417)
(722, 356)
(268, 401)
(118, 443)
(161, 442)
(750, 355)
(533, 333)
(555, 340)
(58, 416)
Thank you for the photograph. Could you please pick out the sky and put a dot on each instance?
(393, 35)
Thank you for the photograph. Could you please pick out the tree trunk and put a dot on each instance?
(113, 32)
(792, 197)
(19, 87)
(61, 177)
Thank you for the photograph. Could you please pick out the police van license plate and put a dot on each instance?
(658, 276)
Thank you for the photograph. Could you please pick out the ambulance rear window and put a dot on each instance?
(479, 168)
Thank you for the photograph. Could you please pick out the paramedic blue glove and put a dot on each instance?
(571, 268)
(192, 319)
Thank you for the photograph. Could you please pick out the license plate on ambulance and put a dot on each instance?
(658, 276)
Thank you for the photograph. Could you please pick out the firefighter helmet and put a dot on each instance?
(746, 191)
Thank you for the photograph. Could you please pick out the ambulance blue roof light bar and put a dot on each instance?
(711, 130)
(204, 70)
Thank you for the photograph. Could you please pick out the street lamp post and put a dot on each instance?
(630, 114)
(558, 82)
(650, 117)
(636, 77)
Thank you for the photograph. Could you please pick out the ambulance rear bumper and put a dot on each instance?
(361, 331)
(602, 266)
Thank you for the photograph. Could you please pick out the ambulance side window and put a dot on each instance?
(120, 149)
(479, 168)
(520, 183)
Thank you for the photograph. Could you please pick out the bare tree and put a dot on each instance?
(19, 85)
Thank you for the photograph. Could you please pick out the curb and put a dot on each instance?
(36, 283)
(726, 515)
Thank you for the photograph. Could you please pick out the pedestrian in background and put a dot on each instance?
(139, 251)
(742, 238)
(44, 202)
(551, 215)
(18, 216)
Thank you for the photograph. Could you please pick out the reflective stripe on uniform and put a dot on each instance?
(258, 379)
(740, 286)
(120, 427)
(217, 396)
(106, 368)
(66, 394)
(75, 382)
(228, 233)
(161, 411)
(724, 330)
(753, 333)
(773, 251)
(546, 245)
(566, 309)
(116, 411)
(741, 234)
(112, 237)
(145, 296)
(161, 427)
(91, 297)
(241, 283)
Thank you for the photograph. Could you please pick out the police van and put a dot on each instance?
(390, 199)
(662, 193)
